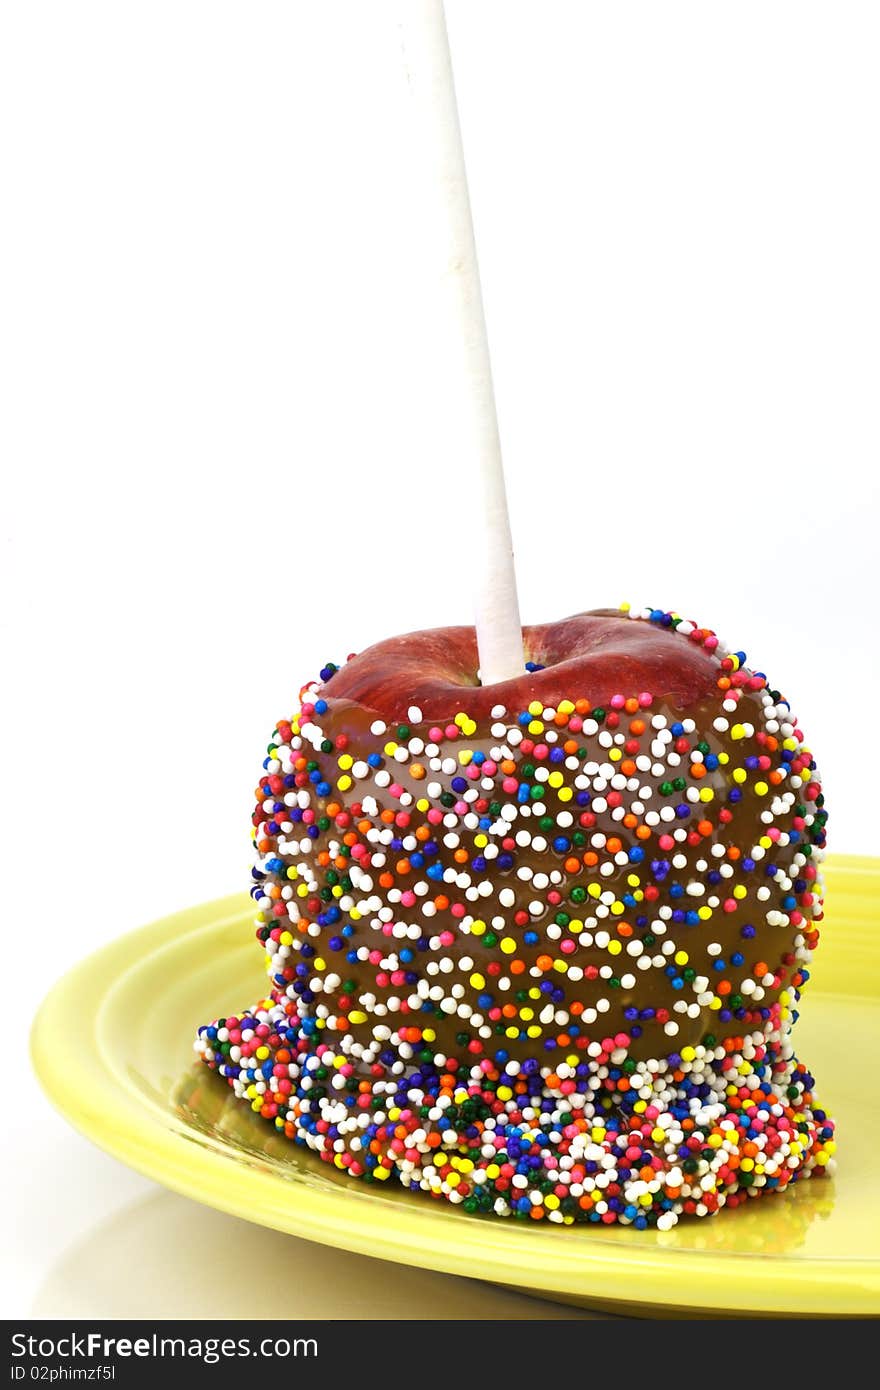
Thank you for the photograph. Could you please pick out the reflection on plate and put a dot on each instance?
(112, 1046)
(207, 1107)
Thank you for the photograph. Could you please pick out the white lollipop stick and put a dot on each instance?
(470, 401)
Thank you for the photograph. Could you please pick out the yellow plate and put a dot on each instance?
(112, 1047)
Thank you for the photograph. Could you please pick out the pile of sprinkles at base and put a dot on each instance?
(537, 949)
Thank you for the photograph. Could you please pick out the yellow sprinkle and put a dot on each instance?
(508, 945)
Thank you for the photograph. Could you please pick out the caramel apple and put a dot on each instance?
(536, 947)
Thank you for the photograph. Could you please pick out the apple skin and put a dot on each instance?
(594, 655)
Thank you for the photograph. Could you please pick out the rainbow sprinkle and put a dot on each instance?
(545, 965)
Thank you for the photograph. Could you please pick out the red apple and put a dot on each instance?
(595, 655)
(580, 900)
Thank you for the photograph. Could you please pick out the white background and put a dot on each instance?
(223, 420)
